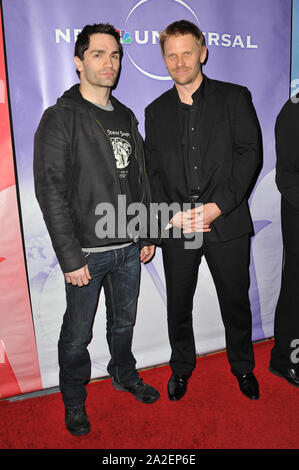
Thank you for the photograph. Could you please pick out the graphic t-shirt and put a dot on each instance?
(118, 129)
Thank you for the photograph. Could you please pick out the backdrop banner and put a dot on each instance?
(247, 47)
(19, 368)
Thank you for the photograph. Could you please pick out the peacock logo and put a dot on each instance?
(125, 36)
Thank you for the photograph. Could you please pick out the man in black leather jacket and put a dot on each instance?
(89, 162)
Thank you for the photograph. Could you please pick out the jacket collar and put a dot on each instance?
(73, 98)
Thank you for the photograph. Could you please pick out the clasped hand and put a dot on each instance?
(197, 219)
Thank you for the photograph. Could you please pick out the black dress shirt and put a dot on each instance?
(189, 116)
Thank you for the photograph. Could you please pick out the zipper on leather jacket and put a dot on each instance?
(135, 155)
(146, 178)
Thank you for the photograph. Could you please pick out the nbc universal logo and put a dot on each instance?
(149, 35)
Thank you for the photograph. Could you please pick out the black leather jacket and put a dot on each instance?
(74, 171)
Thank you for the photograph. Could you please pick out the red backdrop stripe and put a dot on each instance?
(8, 382)
(7, 177)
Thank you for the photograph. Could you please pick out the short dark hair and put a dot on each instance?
(180, 28)
(82, 42)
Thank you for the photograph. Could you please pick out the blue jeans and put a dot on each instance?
(119, 273)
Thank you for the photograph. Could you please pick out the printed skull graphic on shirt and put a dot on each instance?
(122, 151)
(122, 148)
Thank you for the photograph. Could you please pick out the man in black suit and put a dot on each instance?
(284, 355)
(203, 145)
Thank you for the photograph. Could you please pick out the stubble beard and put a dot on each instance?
(104, 82)
(187, 80)
(181, 80)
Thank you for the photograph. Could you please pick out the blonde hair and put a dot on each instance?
(179, 28)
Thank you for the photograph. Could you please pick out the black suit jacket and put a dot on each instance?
(230, 155)
(287, 171)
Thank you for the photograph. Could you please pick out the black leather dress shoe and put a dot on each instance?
(291, 375)
(249, 385)
(177, 386)
(76, 420)
(141, 391)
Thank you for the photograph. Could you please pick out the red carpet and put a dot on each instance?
(212, 415)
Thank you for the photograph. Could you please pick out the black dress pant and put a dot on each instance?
(286, 322)
(229, 266)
